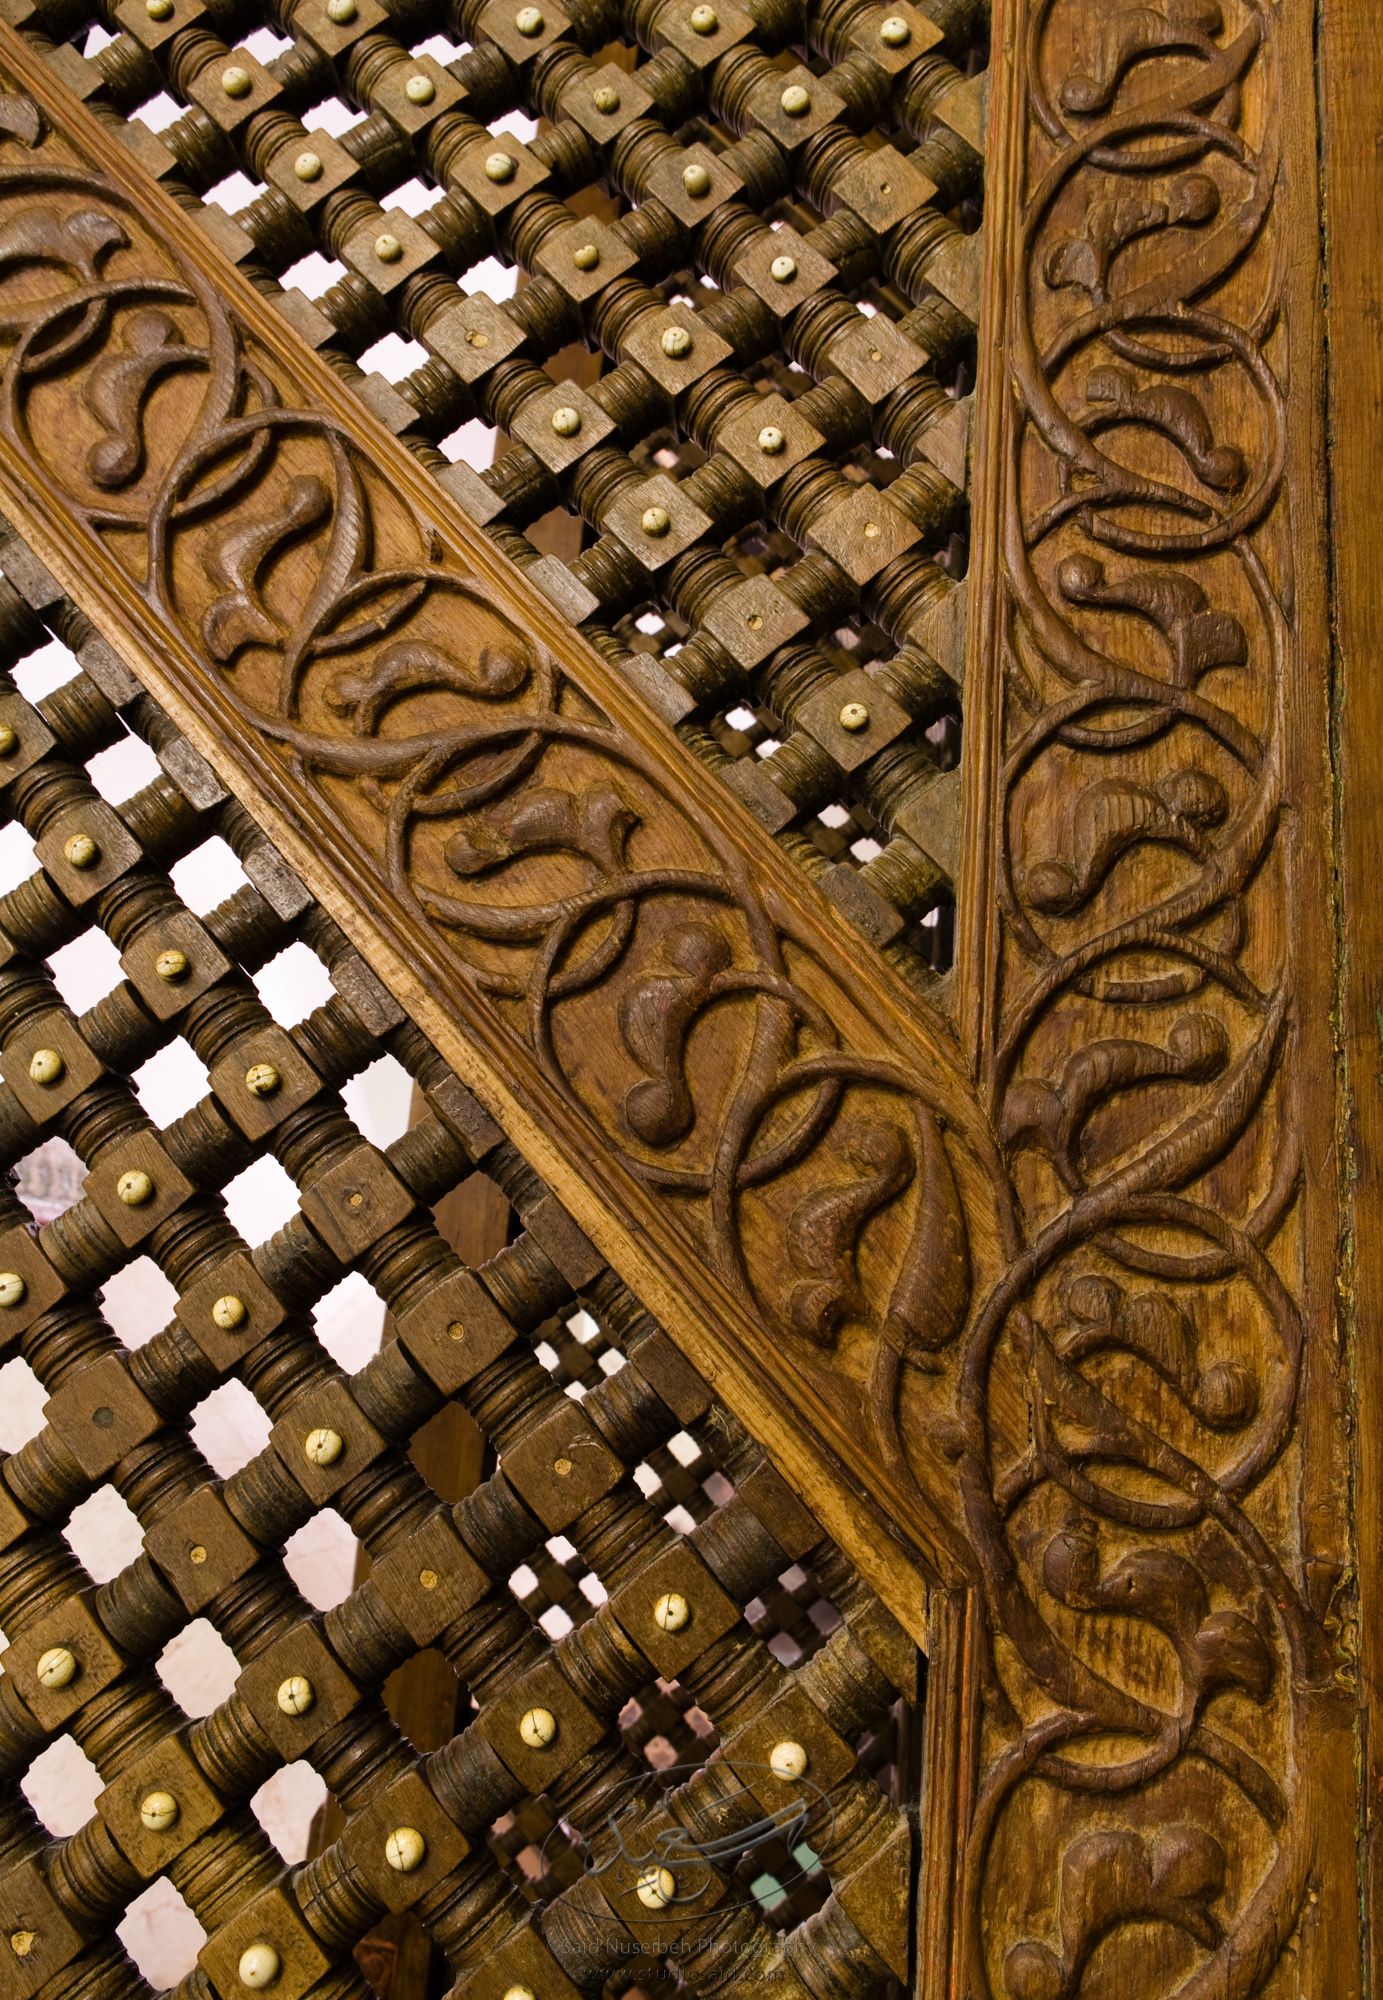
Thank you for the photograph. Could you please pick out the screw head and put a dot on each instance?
(672, 1613)
(57, 1668)
(895, 33)
(676, 342)
(420, 89)
(236, 82)
(8, 740)
(296, 1695)
(388, 249)
(158, 1810)
(586, 257)
(854, 716)
(158, 10)
(171, 965)
(696, 179)
(655, 521)
(656, 1887)
(501, 167)
(428, 1579)
(262, 1079)
(783, 269)
(538, 1728)
(606, 98)
(13, 1289)
(796, 100)
(229, 1312)
(519, 1993)
(529, 21)
(341, 11)
(196, 1555)
(772, 441)
(566, 421)
(323, 1446)
(45, 1066)
(405, 1849)
(134, 1187)
(562, 1467)
(308, 166)
(788, 1760)
(260, 1964)
(23, 1942)
(81, 851)
(704, 20)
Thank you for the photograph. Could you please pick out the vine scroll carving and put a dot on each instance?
(1047, 1337)
(1167, 1626)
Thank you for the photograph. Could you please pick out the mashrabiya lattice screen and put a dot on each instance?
(661, 1781)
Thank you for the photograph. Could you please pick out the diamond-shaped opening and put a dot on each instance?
(261, 1199)
(158, 113)
(104, 1534)
(286, 1805)
(235, 192)
(49, 666)
(380, 1101)
(471, 443)
(123, 769)
(138, 1301)
(17, 858)
(444, 1450)
(86, 970)
(207, 876)
(322, 1557)
(62, 1785)
(198, 1668)
(293, 983)
(161, 1935)
(171, 1082)
(350, 1320)
(314, 274)
(393, 357)
(22, 1397)
(50, 1180)
(422, 1696)
(229, 1428)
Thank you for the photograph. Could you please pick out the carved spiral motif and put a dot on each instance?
(1153, 1649)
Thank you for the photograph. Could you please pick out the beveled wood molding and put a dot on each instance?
(725, 1086)
(1165, 1799)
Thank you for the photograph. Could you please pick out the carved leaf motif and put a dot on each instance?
(931, 1294)
(1052, 1116)
(1198, 638)
(239, 557)
(1105, 1318)
(1134, 35)
(1177, 414)
(78, 241)
(1113, 815)
(119, 386)
(594, 824)
(412, 667)
(1114, 222)
(1118, 1876)
(823, 1231)
(656, 1018)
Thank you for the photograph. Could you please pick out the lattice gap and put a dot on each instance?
(645, 1626)
(615, 275)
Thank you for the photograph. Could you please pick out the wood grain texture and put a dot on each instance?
(1352, 121)
(1154, 1387)
(778, 1145)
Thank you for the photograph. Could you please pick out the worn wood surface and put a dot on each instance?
(1048, 1311)
(726, 1083)
(1147, 954)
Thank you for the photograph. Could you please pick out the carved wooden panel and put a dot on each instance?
(1034, 1300)
(1152, 1389)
